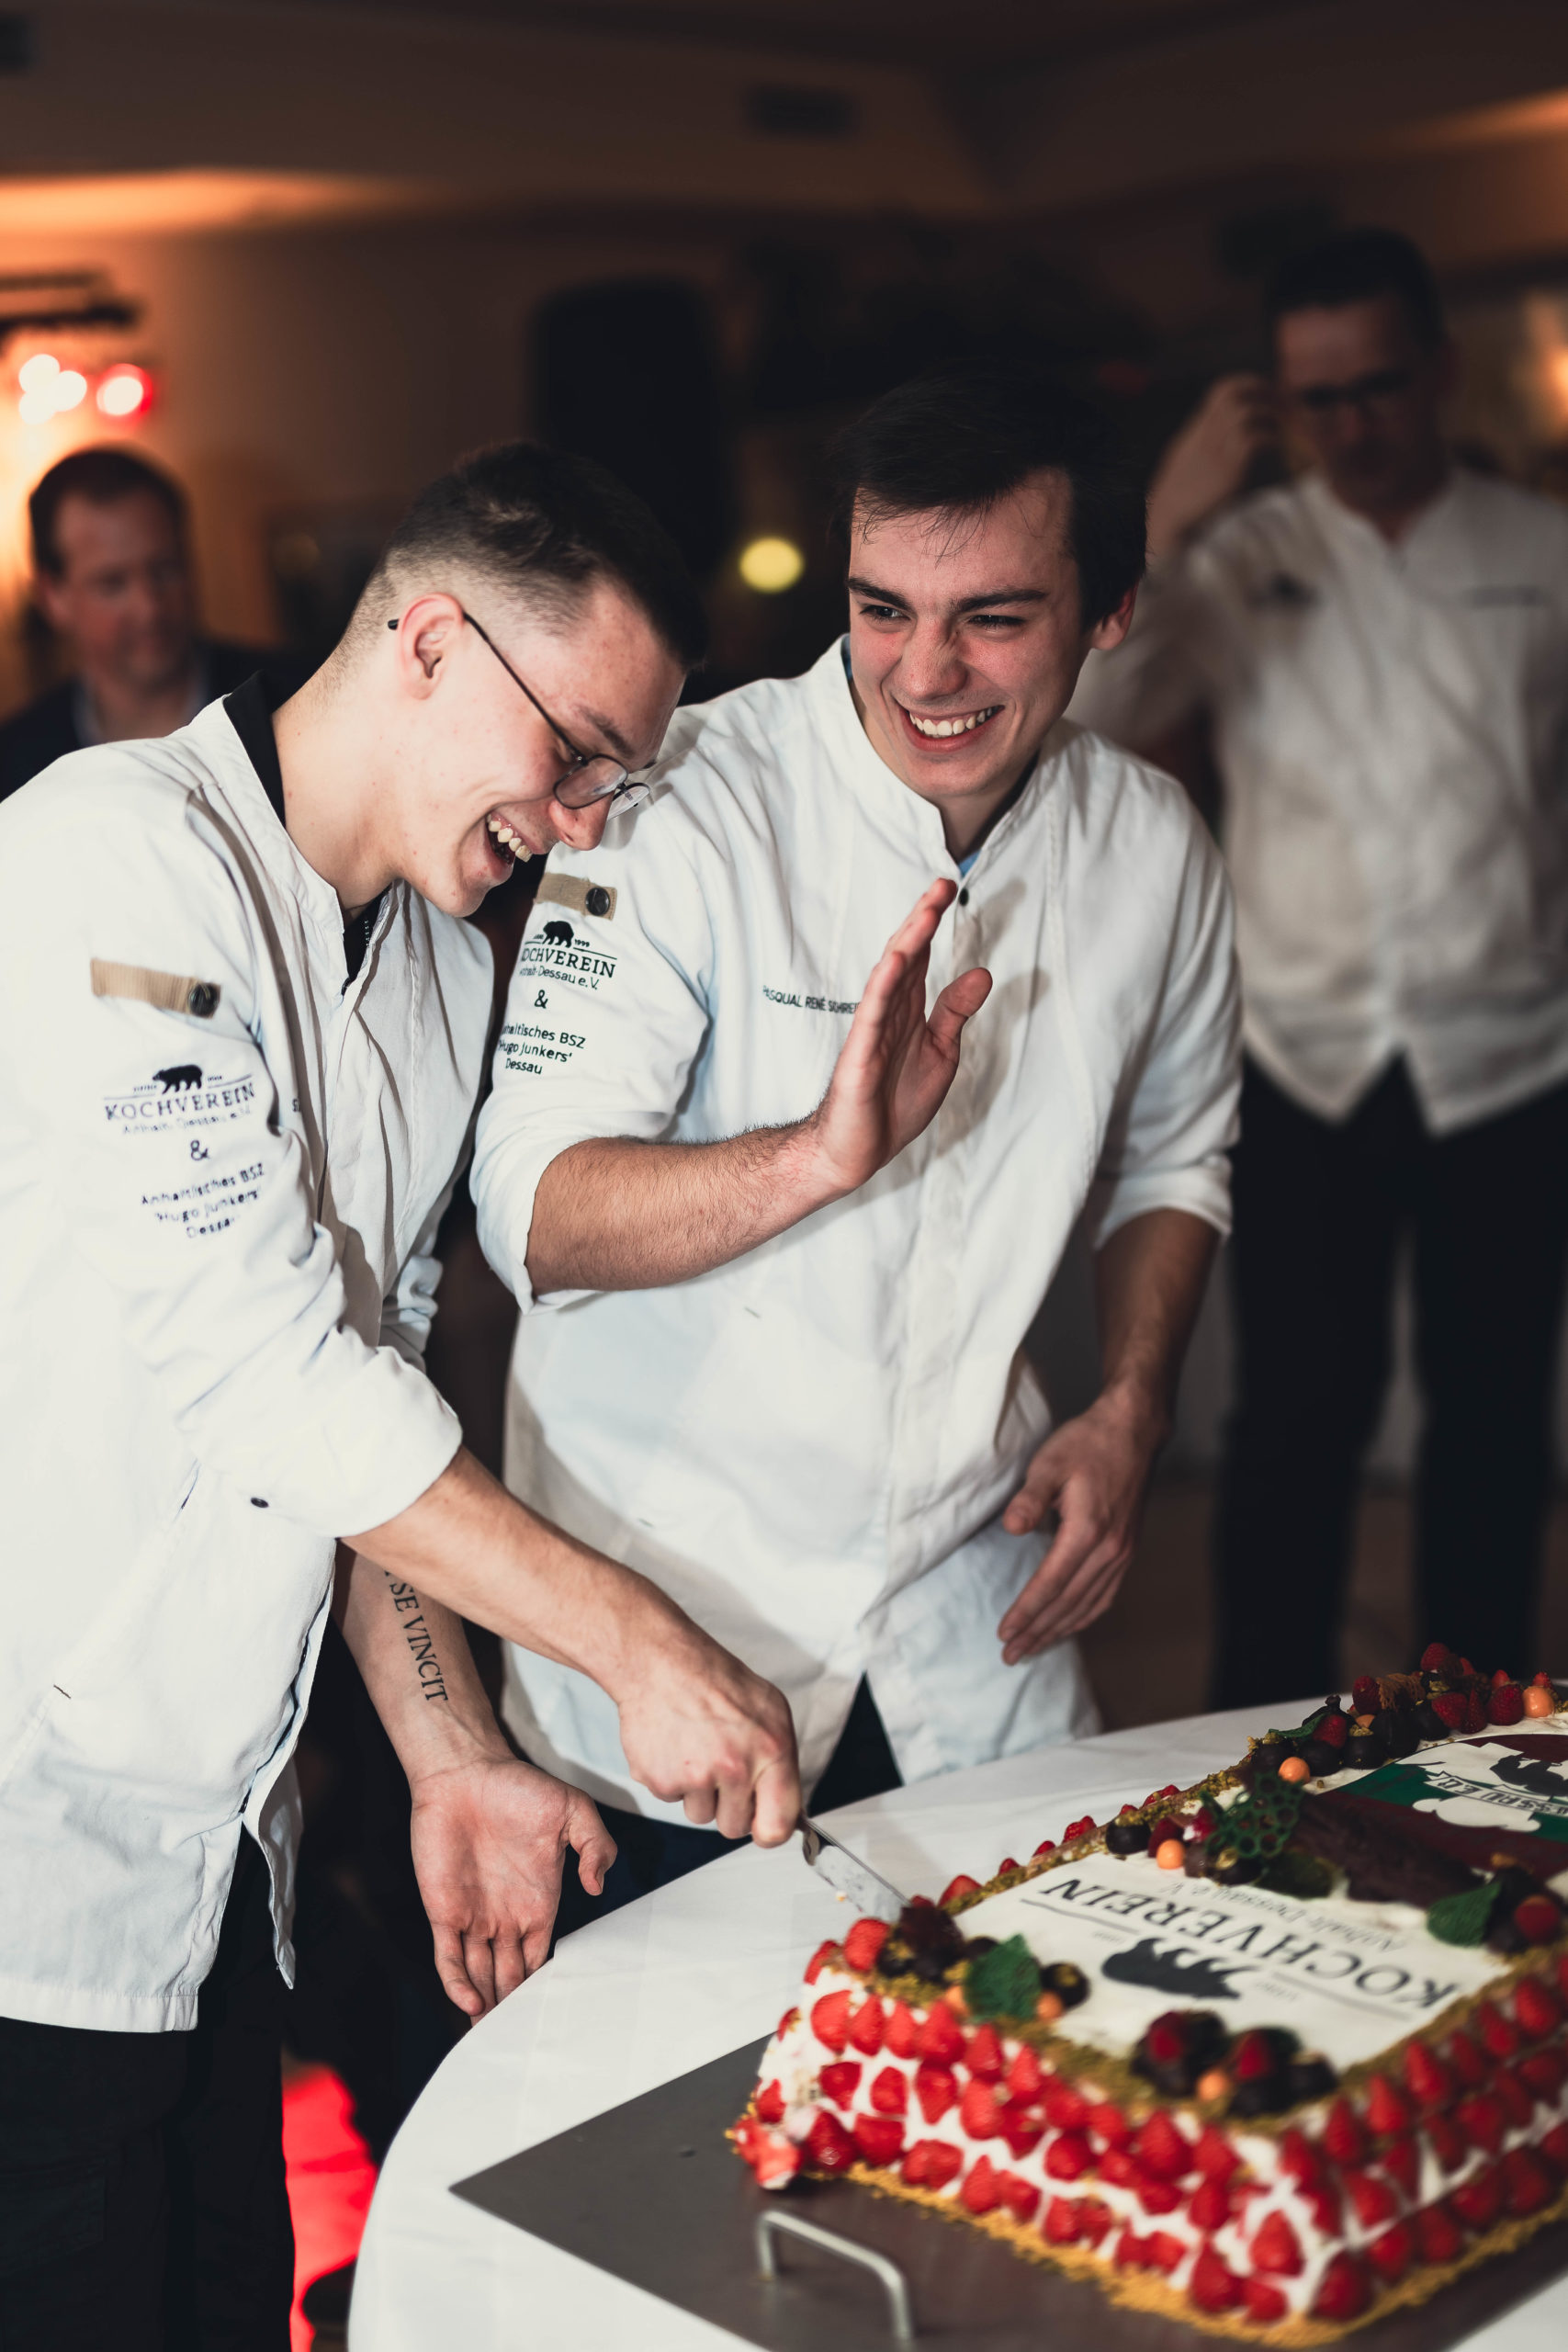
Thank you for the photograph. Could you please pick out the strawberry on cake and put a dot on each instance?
(1275, 2054)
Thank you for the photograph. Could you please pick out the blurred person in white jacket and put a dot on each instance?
(772, 1348)
(242, 1037)
(1381, 646)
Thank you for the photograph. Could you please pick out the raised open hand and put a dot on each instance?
(896, 1065)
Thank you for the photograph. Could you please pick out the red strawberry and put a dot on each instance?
(1275, 2248)
(1323, 2204)
(1023, 2129)
(1068, 2155)
(1438, 2234)
(1537, 2009)
(903, 2032)
(1391, 2252)
(982, 2190)
(1025, 2080)
(1166, 2042)
(1121, 2169)
(771, 2103)
(1169, 1789)
(1065, 2109)
(1342, 2134)
(962, 1884)
(939, 2035)
(978, 2112)
(1096, 2219)
(1077, 1830)
(1046, 1846)
(1109, 2124)
(1401, 2159)
(936, 2087)
(1537, 1918)
(862, 1945)
(1332, 1730)
(1344, 2290)
(1425, 2077)
(827, 2145)
(819, 1961)
(890, 2092)
(830, 2020)
(1164, 2252)
(1128, 2253)
(787, 2023)
(1021, 2196)
(1265, 2303)
(1515, 2098)
(1453, 1707)
(1498, 2036)
(1543, 2071)
(1215, 2156)
(1158, 2196)
(1365, 1696)
(1474, 1712)
(1298, 2160)
(1061, 2225)
(1501, 1677)
(1506, 1704)
(840, 2083)
(1446, 2141)
(1008, 1862)
(1554, 2144)
(1479, 2200)
(1205, 1823)
(1468, 2061)
(867, 2028)
(1162, 2148)
(879, 2138)
(1437, 1659)
(932, 2164)
(1164, 1829)
(985, 2054)
(1373, 2200)
(1208, 2207)
(1386, 2111)
(1253, 2059)
(1527, 2183)
(1482, 2121)
(1212, 2287)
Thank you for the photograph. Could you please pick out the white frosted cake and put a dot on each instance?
(1276, 2054)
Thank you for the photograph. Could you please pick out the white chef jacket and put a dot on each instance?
(215, 1284)
(1391, 726)
(809, 1449)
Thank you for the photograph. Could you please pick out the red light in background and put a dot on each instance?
(124, 391)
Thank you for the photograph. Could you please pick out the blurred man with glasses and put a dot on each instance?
(1381, 647)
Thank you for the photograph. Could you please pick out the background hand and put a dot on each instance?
(699, 1726)
(1094, 1472)
(896, 1066)
(489, 1839)
(1209, 459)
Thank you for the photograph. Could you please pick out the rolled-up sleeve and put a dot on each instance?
(604, 1018)
(183, 1187)
(1176, 1114)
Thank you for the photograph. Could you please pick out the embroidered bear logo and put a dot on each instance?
(178, 1078)
(559, 934)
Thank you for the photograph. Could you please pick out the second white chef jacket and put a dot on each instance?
(810, 1448)
(221, 1164)
(1391, 726)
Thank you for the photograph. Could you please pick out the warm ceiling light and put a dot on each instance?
(69, 390)
(124, 391)
(771, 565)
(36, 373)
(36, 407)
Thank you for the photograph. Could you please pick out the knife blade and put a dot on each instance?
(848, 1876)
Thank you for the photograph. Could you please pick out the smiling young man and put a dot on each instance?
(244, 1031)
(772, 1348)
(1381, 647)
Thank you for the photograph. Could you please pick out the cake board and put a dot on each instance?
(653, 2192)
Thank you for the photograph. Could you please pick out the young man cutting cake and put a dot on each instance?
(243, 1033)
(771, 1346)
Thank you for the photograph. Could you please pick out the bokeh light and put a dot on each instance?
(771, 565)
(36, 374)
(68, 390)
(124, 390)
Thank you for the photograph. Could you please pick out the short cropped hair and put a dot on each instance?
(1358, 265)
(544, 528)
(955, 441)
(103, 477)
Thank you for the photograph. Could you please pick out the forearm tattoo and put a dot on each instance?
(420, 1639)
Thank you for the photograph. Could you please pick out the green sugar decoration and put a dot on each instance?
(1004, 1982)
(1464, 1918)
(1262, 1824)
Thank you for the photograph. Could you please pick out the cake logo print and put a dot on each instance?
(1480, 1783)
(1191, 1976)
(555, 952)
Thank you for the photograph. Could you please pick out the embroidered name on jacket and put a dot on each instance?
(556, 954)
(180, 1098)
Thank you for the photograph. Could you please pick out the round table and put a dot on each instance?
(680, 1978)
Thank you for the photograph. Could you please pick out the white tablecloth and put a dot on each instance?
(678, 1979)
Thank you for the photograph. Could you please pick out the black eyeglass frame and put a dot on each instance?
(629, 790)
(1361, 393)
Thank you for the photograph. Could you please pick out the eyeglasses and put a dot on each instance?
(588, 776)
(1361, 393)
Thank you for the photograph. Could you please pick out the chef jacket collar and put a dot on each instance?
(250, 709)
(1335, 517)
(885, 793)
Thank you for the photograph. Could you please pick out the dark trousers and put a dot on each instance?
(1323, 1213)
(142, 2202)
(655, 1854)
